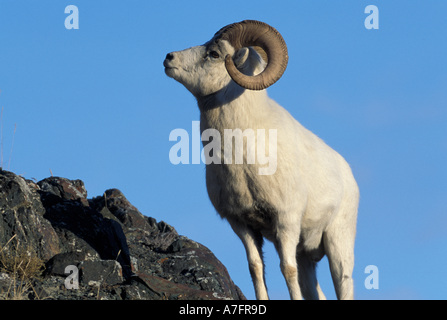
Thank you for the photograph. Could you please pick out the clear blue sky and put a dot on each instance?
(95, 104)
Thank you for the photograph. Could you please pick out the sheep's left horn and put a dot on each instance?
(256, 33)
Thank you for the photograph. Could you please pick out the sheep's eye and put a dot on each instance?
(214, 54)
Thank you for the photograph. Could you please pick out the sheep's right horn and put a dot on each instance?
(256, 33)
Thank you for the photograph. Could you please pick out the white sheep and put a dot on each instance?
(308, 206)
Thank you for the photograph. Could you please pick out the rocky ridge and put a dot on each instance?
(55, 243)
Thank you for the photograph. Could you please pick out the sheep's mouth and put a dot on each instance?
(170, 71)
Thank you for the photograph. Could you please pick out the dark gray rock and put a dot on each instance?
(100, 272)
(119, 253)
(22, 215)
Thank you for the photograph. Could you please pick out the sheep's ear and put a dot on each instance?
(240, 57)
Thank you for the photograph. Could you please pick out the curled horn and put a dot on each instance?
(256, 33)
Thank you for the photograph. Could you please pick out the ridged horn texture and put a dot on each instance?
(256, 33)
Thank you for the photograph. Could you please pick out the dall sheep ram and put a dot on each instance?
(308, 206)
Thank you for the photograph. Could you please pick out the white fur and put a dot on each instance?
(307, 208)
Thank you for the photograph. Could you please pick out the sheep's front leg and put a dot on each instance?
(286, 246)
(253, 241)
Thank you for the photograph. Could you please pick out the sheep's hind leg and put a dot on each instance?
(340, 252)
(307, 278)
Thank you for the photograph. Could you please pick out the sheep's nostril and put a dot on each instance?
(169, 56)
